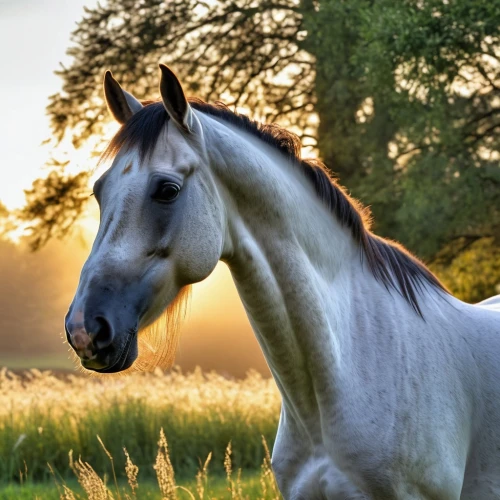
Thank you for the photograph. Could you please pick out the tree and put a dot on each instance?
(55, 203)
(401, 99)
(437, 65)
(244, 51)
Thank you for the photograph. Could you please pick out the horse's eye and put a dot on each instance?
(166, 191)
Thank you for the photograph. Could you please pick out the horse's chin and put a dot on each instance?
(120, 362)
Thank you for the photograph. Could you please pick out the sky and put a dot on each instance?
(33, 40)
(35, 290)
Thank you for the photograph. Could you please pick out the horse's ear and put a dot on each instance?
(174, 99)
(121, 104)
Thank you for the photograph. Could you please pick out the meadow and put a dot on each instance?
(197, 435)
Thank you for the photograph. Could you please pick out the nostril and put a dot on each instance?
(79, 340)
(102, 337)
(69, 336)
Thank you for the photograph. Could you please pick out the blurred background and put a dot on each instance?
(400, 99)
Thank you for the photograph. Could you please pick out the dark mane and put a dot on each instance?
(389, 262)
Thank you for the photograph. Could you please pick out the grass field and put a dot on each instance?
(88, 485)
(43, 417)
(217, 488)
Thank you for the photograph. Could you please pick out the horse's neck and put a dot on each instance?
(294, 267)
(299, 319)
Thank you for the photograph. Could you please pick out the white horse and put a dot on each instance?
(390, 386)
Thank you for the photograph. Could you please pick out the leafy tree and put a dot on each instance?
(401, 99)
(437, 66)
(54, 203)
(245, 51)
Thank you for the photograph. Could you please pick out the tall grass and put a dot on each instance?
(42, 417)
(95, 487)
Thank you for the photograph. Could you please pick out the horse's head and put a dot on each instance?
(161, 226)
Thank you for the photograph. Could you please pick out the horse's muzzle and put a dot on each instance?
(97, 343)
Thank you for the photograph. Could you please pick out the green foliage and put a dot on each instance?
(436, 64)
(53, 204)
(408, 95)
(474, 273)
(334, 39)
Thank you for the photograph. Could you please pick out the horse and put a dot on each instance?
(390, 385)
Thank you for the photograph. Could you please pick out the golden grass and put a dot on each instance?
(42, 416)
(95, 487)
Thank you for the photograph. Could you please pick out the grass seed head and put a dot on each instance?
(164, 470)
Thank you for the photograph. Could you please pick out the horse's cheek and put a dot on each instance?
(199, 248)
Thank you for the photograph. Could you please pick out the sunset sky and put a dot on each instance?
(33, 39)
